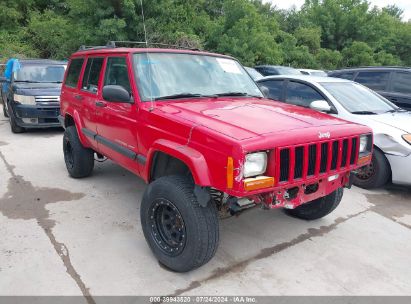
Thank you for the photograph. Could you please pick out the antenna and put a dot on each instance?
(148, 59)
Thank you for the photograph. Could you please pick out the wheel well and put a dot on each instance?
(69, 121)
(164, 165)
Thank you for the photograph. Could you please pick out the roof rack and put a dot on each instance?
(115, 44)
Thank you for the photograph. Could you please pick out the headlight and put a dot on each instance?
(23, 99)
(255, 164)
(407, 138)
(363, 143)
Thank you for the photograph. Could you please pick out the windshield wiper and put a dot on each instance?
(364, 113)
(237, 94)
(182, 95)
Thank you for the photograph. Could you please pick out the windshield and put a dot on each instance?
(358, 99)
(39, 73)
(171, 75)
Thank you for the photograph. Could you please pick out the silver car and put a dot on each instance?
(351, 101)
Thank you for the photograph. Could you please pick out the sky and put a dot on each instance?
(404, 4)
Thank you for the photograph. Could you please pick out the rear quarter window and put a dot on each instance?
(73, 72)
(344, 75)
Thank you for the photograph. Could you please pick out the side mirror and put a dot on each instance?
(320, 105)
(116, 93)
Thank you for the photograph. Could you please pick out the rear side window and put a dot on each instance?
(373, 80)
(74, 72)
(92, 74)
(117, 73)
(301, 94)
(402, 83)
(272, 89)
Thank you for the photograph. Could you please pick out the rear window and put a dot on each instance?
(374, 80)
(402, 83)
(74, 72)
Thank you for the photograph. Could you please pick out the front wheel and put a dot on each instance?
(182, 234)
(15, 128)
(5, 111)
(318, 208)
(374, 175)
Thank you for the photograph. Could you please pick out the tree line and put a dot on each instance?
(324, 34)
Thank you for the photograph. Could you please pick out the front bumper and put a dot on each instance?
(36, 116)
(296, 194)
(400, 168)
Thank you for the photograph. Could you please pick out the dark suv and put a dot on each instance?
(394, 83)
(31, 93)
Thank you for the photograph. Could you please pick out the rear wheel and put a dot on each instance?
(182, 234)
(79, 160)
(374, 175)
(319, 207)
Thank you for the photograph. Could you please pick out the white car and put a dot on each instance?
(313, 72)
(352, 101)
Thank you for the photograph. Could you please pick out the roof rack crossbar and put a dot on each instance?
(114, 44)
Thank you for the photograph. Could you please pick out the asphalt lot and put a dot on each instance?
(61, 236)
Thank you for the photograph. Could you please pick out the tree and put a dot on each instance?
(357, 54)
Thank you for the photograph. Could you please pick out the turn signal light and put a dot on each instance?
(230, 172)
(362, 161)
(259, 182)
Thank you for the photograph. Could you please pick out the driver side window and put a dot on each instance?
(300, 94)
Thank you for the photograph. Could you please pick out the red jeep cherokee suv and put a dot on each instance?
(197, 129)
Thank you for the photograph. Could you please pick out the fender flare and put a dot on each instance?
(193, 159)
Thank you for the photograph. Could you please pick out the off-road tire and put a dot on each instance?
(376, 174)
(318, 208)
(5, 111)
(79, 160)
(15, 128)
(197, 225)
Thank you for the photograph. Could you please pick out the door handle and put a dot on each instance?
(78, 97)
(101, 104)
(394, 99)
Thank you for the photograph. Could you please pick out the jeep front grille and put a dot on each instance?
(47, 98)
(311, 160)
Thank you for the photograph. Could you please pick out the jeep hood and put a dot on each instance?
(247, 118)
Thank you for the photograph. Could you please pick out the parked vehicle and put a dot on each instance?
(313, 72)
(197, 129)
(255, 75)
(268, 70)
(31, 93)
(351, 101)
(394, 83)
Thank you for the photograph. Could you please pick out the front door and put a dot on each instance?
(117, 122)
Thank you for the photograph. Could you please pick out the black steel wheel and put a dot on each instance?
(79, 160)
(182, 234)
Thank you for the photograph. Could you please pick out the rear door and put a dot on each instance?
(89, 94)
(117, 121)
(400, 89)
